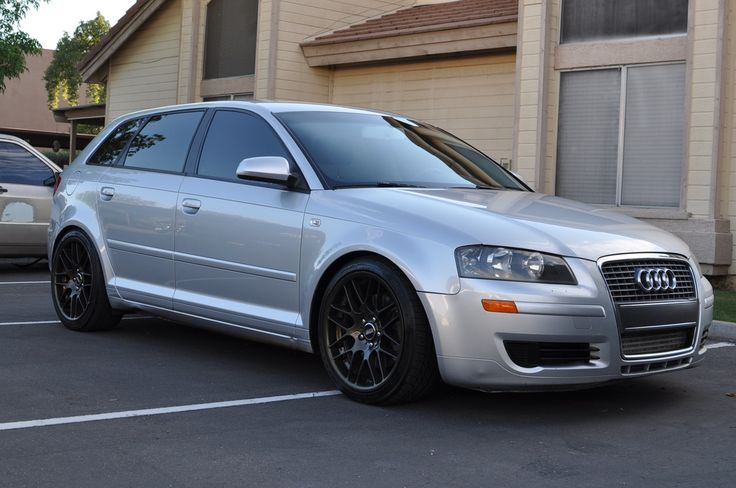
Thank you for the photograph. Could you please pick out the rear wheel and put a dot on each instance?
(374, 337)
(78, 285)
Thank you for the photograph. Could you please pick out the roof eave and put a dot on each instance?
(93, 67)
(458, 39)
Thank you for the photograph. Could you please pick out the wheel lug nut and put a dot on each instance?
(370, 345)
(361, 337)
(378, 334)
(363, 321)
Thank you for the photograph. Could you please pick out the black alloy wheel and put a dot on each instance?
(72, 279)
(374, 336)
(365, 331)
(78, 285)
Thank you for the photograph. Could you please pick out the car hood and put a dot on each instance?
(504, 218)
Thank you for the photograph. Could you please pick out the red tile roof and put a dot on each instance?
(425, 18)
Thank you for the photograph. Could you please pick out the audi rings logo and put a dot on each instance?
(656, 279)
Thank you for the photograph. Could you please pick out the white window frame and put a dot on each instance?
(622, 134)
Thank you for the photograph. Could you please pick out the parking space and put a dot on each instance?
(669, 430)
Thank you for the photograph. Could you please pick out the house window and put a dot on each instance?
(620, 135)
(594, 20)
(237, 96)
(230, 38)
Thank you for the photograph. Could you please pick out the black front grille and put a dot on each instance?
(551, 354)
(654, 342)
(620, 278)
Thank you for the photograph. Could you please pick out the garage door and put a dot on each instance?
(472, 97)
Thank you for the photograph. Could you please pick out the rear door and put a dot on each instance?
(26, 186)
(136, 205)
(237, 241)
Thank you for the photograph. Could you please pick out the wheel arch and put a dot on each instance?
(329, 273)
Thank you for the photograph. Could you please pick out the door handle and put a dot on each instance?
(2, 190)
(190, 205)
(107, 193)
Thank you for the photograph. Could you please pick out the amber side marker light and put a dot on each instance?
(501, 306)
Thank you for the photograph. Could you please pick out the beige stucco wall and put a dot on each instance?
(727, 174)
(145, 71)
(298, 20)
(469, 96)
(702, 133)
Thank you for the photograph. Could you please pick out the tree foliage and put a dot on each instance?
(62, 75)
(15, 44)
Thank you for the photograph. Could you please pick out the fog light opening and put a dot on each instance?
(500, 306)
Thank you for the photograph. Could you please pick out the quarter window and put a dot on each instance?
(232, 137)
(594, 20)
(163, 143)
(109, 151)
(18, 166)
(620, 135)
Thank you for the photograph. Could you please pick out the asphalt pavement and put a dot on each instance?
(142, 406)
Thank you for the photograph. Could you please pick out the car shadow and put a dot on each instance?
(611, 401)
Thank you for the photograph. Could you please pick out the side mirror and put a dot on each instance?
(50, 181)
(271, 169)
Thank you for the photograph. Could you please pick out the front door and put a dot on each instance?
(237, 242)
(26, 185)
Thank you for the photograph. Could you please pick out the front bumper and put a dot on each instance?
(470, 341)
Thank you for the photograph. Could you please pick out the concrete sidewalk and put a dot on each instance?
(723, 330)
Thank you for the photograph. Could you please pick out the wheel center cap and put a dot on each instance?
(369, 331)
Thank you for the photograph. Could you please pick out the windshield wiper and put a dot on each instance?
(379, 184)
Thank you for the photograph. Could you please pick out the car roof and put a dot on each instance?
(258, 106)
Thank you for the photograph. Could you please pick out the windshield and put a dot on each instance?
(353, 150)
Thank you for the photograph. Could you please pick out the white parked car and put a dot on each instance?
(27, 179)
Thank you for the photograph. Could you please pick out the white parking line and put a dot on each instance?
(49, 322)
(717, 345)
(27, 424)
(25, 282)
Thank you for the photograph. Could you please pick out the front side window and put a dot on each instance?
(232, 137)
(596, 20)
(111, 149)
(230, 38)
(352, 150)
(19, 166)
(622, 155)
(163, 143)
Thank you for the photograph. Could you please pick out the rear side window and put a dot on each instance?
(163, 143)
(18, 166)
(233, 137)
(109, 151)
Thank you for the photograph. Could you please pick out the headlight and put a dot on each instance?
(501, 263)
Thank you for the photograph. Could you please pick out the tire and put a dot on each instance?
(374, 337)
(78, 285)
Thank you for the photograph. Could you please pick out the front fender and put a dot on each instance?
(429, 265)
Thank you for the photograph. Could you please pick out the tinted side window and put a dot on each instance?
(20, 167)
(163, 143)
(108, 152)
(232, 137)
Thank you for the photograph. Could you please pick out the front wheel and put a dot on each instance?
(374, 337)
(78, 285)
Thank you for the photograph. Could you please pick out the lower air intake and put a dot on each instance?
(657, 342)
(550, 354)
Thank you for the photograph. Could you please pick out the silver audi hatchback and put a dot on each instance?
(397, 252)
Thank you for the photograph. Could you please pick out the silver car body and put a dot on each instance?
(25, 208)
(207, 252)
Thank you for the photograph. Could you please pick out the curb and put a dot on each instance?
(723, 330)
